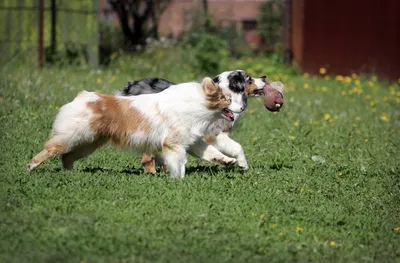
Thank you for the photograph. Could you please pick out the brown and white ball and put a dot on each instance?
(273, 96)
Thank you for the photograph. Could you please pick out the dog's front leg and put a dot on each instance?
(231, 148)
(175, 160)
(208, 152)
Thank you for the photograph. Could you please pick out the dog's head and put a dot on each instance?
(242, 85)
(217, 99)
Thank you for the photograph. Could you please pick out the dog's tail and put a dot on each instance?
(145, 86)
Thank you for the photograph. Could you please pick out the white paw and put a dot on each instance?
(30, 167)
(230, 161)
(243, 164)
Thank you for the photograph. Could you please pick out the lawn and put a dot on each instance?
(323, 183)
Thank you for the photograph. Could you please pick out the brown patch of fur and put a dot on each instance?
(250, 88)
(214, 95)
(115, 119)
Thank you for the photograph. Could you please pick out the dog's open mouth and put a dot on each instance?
(228, 114)
(258, 92)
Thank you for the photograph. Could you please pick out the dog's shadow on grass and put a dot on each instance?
(203, 171)
(127, 171)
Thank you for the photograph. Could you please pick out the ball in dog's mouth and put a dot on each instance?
(273, 98)
(228, 114)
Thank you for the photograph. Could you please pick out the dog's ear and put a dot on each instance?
(209, 86)
(237, 82)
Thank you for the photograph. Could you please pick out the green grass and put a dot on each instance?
(323, 183)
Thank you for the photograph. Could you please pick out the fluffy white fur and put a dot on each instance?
(174, 121)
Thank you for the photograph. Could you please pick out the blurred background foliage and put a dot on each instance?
(204, 48)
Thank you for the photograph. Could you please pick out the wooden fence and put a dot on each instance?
(76, 27)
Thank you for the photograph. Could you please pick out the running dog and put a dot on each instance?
(238, 82)
(174, 121)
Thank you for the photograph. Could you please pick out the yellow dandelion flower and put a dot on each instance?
(357, 82)
(99, 81)
(385, 117)
(327, 116)
(339, 78)
(322, 71)
(327, 77)
(262, 217)
(354, 75)
(306, 75)
(396, 229)
(306, 86)
(291, 137)
(366, 140)
(299, 229)
(274, 225)
(332, 243)
(324, 89)
(57, 108)
(281, 234)
(348, 80)
(296, 123)
(254, 139)
(371, 84)
(358, 118)
(251, 111)
(372, 103)
(340, 174)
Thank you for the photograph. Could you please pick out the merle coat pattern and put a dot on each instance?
(240, 83)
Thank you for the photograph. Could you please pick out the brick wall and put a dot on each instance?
(176, 18)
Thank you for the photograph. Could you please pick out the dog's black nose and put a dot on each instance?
(264, 78)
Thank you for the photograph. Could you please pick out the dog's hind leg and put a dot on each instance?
(149, 164)
(79, 152)
(231, 148)
(53, 147)
(209, 153)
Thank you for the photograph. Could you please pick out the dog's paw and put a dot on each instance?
(230, 161)
(30, 167)
(243, 165)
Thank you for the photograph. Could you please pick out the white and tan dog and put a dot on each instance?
(239, 83)
(174, 121)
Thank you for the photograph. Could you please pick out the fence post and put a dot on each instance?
(40, 38)
(93, 47)
(53, 41)
(287, 27)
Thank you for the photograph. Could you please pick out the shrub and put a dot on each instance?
(210, 51)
